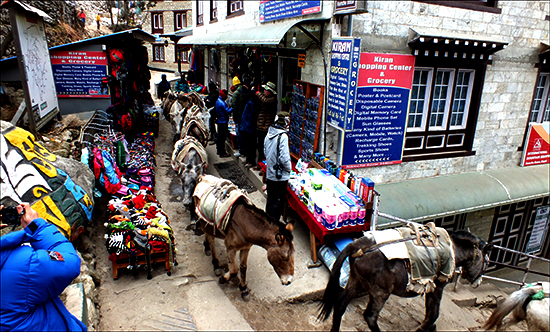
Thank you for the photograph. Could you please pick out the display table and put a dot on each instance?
(318, 232)
(157, 256)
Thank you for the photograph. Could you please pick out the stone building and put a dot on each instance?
(480, 78)
(163, 20)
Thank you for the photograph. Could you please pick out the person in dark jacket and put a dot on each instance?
(238, 102)
(266, 116)
(278, 166)
(182, 85)
(249, 119)
(37, 263)
(210, 102)
(162, 87)
(222, 119)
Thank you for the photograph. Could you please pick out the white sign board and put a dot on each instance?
(538, 233)
(37, 67)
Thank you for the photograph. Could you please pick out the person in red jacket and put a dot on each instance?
(82, 16)
(36, 264)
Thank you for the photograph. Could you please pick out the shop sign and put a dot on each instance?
(537, 148)
(349, 6)
(540, 228)
(344, 64)
(79, 73)
(301, 60)
(271, 10)
(381, 107)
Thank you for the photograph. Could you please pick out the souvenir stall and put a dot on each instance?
(330, 201)
(118, 145)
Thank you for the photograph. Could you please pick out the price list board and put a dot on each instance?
(381, 108)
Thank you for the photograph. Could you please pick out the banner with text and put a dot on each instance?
(344, 65)
(79, 73)
(537, 145)
(271, 10)
(381, 107)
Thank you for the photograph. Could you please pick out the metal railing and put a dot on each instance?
(527, 269)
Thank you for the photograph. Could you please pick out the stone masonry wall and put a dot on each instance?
(509, 81)
(167, 8)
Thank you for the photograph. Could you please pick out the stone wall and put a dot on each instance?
(167, 8)
(509, 81)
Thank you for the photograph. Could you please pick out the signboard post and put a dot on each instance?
(540, 228)
(79, 73)
(381, 109)
(344, 65)
(271, 10)
(34, 64)
(537, 148)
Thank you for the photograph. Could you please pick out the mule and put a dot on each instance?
(189, 161)
(193, 125)
(248, 225)
(371, 273)
(536, 312)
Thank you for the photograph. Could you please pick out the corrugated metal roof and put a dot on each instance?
(440, 196)
(264, 34)
(136, 33)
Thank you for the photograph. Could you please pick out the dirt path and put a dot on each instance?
(133, 303)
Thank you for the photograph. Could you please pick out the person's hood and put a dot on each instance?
(9, 242)
(275, 130)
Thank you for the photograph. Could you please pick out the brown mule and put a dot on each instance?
(248, 225)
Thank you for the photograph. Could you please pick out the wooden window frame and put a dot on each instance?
(447, 141)
(213, 11)
(544, 105)
(159, 47)
(157, 22)
(200, 13)
(231, 4)
(181, 51)
(490, 6)
(180, 19)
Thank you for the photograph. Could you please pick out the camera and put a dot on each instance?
(278, 171)
(10, 216)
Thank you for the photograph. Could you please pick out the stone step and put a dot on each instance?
(178, 320)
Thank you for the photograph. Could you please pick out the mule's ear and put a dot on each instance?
(279, 238)
(488, 247)
(289, 227)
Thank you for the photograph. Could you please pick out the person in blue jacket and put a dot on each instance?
(222, 119)
(37, 263)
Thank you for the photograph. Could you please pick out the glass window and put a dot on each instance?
(540, 109)
(158, 52)
(157, 22)
(234, 7)
(200, 13)
(180, 20)
(439, 109)
(213, 10)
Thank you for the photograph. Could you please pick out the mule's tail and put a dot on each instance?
(332, 291)
(517, 298)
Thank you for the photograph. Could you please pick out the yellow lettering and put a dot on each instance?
(36, 193)
(57, 218)
(25, 142)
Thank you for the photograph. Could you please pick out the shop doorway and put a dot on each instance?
(511, 228)
(286, 76)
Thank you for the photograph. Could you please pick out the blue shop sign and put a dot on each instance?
(344, 65)
(271, 10)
